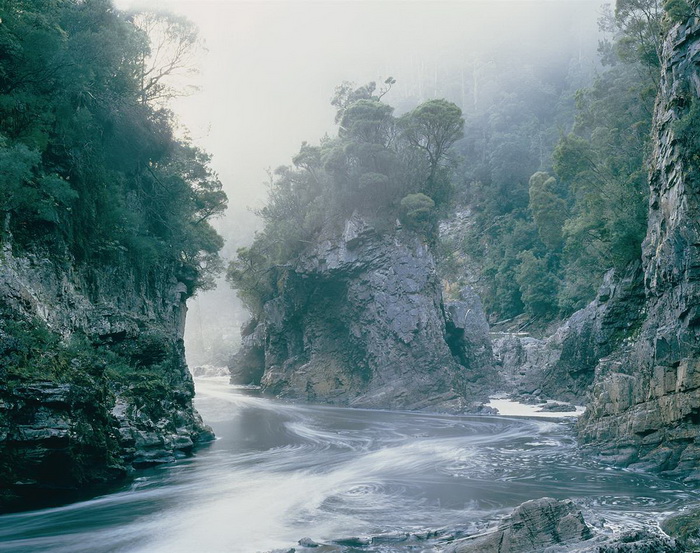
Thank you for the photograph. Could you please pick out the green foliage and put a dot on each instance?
(30, 351)
(549, 210)
(602, 165)
(139, 368)
(433, 127)
(640, 28)
(377, 166)
(87, 155)
(555, 210)
(417, 211)
(538, 286)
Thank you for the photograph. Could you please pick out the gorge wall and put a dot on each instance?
(645, 403)
(360, 320)
(121, 397)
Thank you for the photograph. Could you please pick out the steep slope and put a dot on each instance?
(360, 321)
(645, 404)
(94, 377)
(104, 234)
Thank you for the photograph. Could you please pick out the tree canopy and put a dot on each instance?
(87, 148)
(380, 166)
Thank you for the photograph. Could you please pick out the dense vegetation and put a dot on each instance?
(88, 155)
(550, 167)
(379, 165)
(95, 178)
(552, 215)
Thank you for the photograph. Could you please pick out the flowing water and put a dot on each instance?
(279, 472)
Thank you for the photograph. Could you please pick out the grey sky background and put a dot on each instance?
(266, 81)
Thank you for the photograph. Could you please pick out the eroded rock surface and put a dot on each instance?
(86, 426)
(533, 526)
(360, 320)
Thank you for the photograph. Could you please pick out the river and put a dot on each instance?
(279, 472)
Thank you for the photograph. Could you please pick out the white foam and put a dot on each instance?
(510, 408)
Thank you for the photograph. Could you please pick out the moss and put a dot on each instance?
(685, 528)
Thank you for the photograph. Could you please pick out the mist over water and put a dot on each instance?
(280, 472)
(270, 69)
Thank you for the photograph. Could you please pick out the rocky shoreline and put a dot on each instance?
(120, 399)
(538, 525)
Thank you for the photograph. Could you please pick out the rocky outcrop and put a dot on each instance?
(548, 524)
(533, 526)
(645, 406)
(360, 320)
(93, 375)
(562, 366)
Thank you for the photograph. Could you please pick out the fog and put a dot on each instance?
(270, 69)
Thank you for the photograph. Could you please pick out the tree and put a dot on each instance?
(167, 55)
(417, 212)
(538, 286)
(86, 158)
(641, 29)
(433, 127)
(346, 94)
(549, 210)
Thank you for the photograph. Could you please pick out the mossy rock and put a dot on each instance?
(685, 528)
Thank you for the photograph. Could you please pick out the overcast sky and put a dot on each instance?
(271, 68)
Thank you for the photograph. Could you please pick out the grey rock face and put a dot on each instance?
(360, 321)
(468, 334)
(61, 435)
(563, 365)
(645, 407)
(553, 526)
(533, 526)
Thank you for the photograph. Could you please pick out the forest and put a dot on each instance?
(551, 170)
(93, 168)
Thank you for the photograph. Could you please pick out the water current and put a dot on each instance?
(279, 472)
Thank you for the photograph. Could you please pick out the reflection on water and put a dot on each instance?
(280, 472)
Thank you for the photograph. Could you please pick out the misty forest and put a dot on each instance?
(358, 276)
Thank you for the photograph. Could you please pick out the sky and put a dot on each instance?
(270, 69)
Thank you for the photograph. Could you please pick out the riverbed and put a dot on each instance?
(279, 472)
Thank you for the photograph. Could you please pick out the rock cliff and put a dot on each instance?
(563, 365)
(360, 320)
(645, 405)
(93, 375)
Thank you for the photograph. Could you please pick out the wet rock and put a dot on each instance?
(557, 408)
(307, 542)
(353, 542)
(533, 526)
(639, 541)
(685, 528)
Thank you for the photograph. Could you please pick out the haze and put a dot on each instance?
(271, 68)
